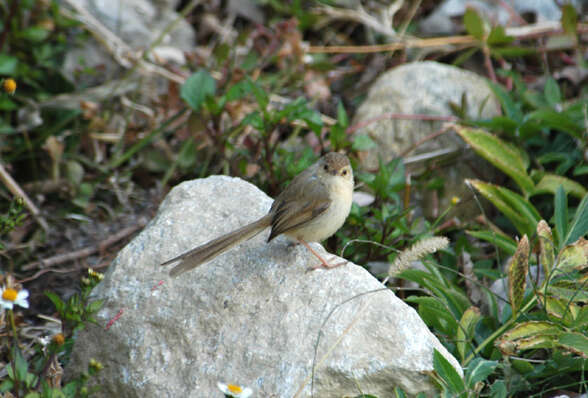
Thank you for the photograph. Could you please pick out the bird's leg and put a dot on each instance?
(324, 263)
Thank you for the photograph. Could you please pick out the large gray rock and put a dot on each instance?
(427, 88)
(253, 316)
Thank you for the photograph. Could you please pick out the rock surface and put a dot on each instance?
(427, 88)
(252, 316)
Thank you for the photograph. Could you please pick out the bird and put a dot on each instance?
(311, 208)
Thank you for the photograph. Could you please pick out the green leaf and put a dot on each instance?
(550, 183)
(342, 118)
(362, 142)
(187, 155)
(478, 370)
(509, 106)
(561, 214)
(556, 120)
(8, 64)
(501, 154)
(552, 92)
(569, 294)
(465, 331)
(435, 314)
(34, 34)
(255, 120)
(498, 36)
(7, 384)
(197, 87)
(512, 51)
(57, 302)
(21, 365)
(504, 242)
(575, 342)
(474, 24)
(498, 389)
(519, 211)
(259, 93)
(579, 225)
(569, 19)
(447, 373)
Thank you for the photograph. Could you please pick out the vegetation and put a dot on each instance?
(77, 167)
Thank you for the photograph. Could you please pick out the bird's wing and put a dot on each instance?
(301, 202)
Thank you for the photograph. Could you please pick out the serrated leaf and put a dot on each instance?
(549, 183)
(517, 275)
(474, 24)
(465, 331)
(447, 373)
(501, 154)
(519, 211)
(197, 87)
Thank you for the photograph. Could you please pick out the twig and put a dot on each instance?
(18, 192)
(521, 32)
(87, 251)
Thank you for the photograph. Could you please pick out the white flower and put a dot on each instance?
(233, 390)
(10, 297)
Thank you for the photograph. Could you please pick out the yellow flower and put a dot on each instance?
(455, 200)
(9, 85)
(10, 297)
(59, 339)
(235, 391)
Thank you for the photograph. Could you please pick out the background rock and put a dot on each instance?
(428, 88)
(442, 19)
(253, 316)
(138, 23)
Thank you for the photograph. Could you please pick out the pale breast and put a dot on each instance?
(327, 223)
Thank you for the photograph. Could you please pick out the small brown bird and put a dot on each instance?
(312, 208)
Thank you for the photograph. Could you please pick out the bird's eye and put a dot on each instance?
(326, 167)
(344, 172)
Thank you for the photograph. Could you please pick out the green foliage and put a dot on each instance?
(31, 377)
(13, 218)
(78, 309)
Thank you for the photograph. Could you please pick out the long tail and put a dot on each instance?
(201, 254)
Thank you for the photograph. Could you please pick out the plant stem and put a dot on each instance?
(499, 331)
